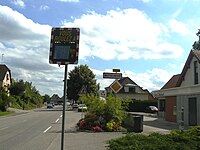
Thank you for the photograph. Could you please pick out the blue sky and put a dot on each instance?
(148, 40)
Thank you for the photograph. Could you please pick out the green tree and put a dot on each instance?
(17, 87)
(81, 77)
(28, 96)
(46, 98)
(4, 100)
(196, 45)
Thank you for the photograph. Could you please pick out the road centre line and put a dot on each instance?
(4, 128)
(47, 129)
(57, 120)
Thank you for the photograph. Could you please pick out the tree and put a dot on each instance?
(196, 45)
(81, 77)
(28, 95)
(4, 100)
(46, 98)
(17, 88)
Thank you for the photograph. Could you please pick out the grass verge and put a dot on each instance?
(6, 113)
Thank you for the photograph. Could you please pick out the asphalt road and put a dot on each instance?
(41, 130)
(28, 131)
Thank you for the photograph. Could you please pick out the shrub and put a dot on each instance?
(112, 125)
(140, 105)
(176, 140)
(106, 114)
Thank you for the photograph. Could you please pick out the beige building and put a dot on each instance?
(130, 90)
(5, 77)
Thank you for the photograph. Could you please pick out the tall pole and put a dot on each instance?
(2, 58)
(63, 113)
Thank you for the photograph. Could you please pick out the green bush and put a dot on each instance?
(109, 112)
(176, 140)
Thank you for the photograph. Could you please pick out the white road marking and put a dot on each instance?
(60, 116)
(47, 129)
(4, 128)
(57, 120)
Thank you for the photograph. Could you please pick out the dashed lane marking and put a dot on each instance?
(47, 129)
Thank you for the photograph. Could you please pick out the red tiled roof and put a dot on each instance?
(172, 82)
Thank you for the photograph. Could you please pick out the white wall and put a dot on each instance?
(189, 76)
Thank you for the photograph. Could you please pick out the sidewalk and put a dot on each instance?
(17, 111)
(75, 140)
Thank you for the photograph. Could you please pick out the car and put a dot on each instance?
(82, 108)
(49, 105)
(75, 106)
(151, 109)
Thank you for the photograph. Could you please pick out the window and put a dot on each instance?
(162, 105)
(7, 77)
(131, 89)
(195, 72)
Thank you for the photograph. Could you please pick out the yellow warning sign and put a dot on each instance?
(116, 86)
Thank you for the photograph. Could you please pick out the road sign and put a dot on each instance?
(112, 75)
(116, 70)
(64, 46)
(116, 86)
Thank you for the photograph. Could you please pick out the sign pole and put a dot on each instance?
(64, 105)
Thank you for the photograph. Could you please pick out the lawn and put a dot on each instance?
(5, 113)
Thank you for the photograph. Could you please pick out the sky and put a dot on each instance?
(148, 40)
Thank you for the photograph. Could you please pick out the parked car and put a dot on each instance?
(75, 106)
(82, 107)
(49, 105)
(151, 109)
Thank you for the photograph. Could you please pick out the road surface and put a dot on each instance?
(41, 130)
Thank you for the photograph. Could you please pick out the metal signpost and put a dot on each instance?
(64, 48)
(115, 86)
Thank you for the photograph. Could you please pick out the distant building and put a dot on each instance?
(5, 78)
(130, 90)
(179, 98)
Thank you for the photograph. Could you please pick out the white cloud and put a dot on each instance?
(25, 45)
(44, 7)
(123, 34)
(144, 1)
(178, 27)
(19, 3)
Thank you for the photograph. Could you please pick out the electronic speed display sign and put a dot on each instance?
(64, 46)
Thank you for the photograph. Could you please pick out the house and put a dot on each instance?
(5, 77)
(179, 98)
(130, 90)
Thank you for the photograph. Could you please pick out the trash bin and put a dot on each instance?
(138, 123)
(133, 123)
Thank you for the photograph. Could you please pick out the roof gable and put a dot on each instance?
(176, 80)
(3, 70)
(126, 80)
(193, 53)
(172, 82)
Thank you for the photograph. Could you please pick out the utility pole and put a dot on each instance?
(2, 58)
